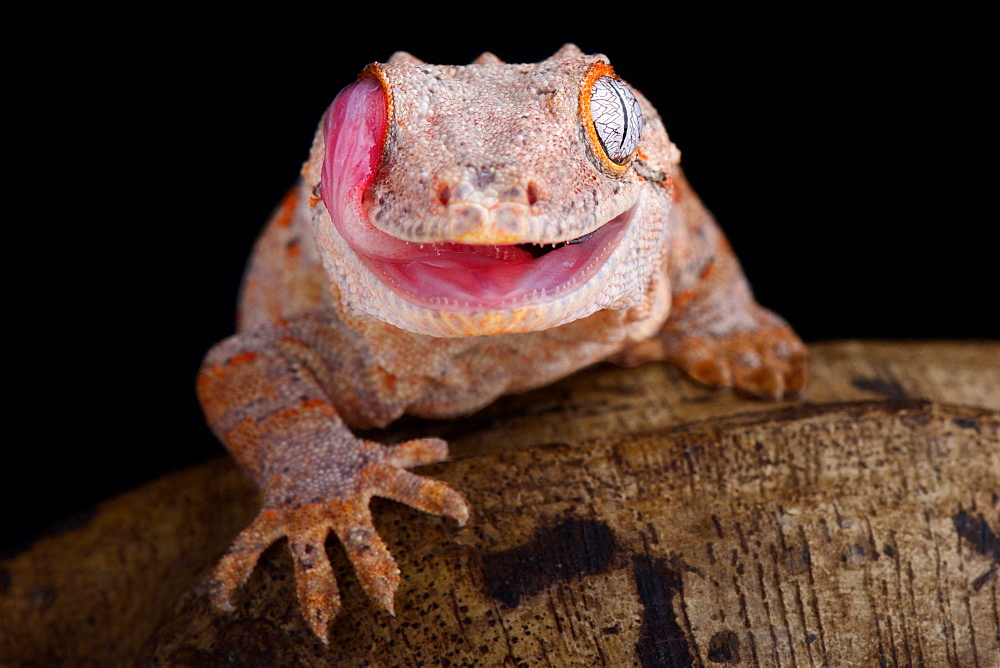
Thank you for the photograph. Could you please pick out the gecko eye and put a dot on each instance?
(617, 118)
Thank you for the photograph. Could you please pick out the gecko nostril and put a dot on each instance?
(444, 194)
(532, 193)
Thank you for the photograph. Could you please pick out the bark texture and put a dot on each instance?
(638, 519)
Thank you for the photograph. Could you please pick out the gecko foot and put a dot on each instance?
(767, 361)
(292, 510)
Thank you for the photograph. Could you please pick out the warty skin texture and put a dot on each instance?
(488, 153)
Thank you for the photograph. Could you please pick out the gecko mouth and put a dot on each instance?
(477, 277)
(442, 276)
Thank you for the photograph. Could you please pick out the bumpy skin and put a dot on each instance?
(483, 154)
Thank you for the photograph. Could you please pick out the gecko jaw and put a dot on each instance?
(479, 277)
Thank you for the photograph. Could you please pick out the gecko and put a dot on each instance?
(459, 233)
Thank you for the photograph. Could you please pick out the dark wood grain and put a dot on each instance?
(621, 517)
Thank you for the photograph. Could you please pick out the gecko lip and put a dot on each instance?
(473, 277)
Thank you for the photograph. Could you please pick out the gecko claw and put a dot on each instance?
(384, 591)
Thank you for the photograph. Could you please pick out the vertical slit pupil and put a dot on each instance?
(614, 113)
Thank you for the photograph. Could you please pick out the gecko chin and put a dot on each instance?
(475, 278)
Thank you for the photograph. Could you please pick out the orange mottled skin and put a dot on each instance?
(315, 355)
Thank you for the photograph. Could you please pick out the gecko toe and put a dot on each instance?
(315, 585)
(700, 359)
(238, 563)
(418, 452)
(373, 564)
(426, 494)
(797, 373)
(765, 382)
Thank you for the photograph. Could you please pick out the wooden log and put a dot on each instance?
(641, 520)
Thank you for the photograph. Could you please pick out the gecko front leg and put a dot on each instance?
(716, 331)
(267, 395)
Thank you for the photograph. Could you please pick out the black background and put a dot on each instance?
(844, 153)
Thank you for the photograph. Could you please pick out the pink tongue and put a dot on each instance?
(473, 276)
(354, 130)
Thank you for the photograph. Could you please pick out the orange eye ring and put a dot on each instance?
(598, 151)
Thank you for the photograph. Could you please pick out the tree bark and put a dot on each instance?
(620, 517)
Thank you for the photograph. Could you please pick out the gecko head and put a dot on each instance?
(488, 198)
